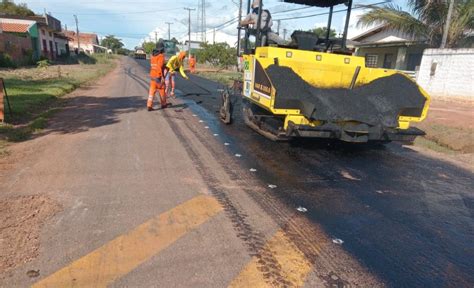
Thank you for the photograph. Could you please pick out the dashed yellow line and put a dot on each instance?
(123, 254)
(294, 267)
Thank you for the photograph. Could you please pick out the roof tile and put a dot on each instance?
(14, 27)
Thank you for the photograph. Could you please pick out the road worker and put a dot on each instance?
(266, 24)
(192, 64)
(157, 81)
(174, 64)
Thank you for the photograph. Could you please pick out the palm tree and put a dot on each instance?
(426, 19)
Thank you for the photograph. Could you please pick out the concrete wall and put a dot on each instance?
(448, 72)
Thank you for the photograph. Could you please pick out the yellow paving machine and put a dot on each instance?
(313, 87)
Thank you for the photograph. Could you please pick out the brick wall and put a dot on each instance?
(15, 46)
(448, 72)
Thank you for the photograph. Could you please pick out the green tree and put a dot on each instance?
(8, 7)
(219, 54)
(111, 42)
(149, 46)
(322, 31)
(123, 51)
(425, 19)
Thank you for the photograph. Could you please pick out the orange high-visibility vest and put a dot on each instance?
(157, 65)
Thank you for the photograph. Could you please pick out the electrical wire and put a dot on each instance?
(120, 13)
(326, 13)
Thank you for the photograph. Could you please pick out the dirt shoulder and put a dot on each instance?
(23, 215)
(449, 127)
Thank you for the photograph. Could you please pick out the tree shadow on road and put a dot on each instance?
(83, 113)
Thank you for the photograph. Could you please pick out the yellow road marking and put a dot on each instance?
(123, 254)
(294, 265)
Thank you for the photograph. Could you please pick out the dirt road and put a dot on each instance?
(171, 198)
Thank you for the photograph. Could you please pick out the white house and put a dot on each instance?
(388, 48)
(88, 42)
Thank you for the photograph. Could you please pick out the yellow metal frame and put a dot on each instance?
(325, 70)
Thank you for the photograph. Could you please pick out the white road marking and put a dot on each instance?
(337, 241)
(302, 209)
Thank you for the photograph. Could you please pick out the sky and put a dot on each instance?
(137, 21)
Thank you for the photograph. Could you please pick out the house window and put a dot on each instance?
(45, 46)
(50, 35)
(42, 32)
(371, 60)
(387, 61)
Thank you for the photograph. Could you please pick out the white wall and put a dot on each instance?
(448, 72)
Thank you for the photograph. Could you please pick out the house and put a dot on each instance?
(45, 32)
(388, 48)
(88, 42)
(18, 39)
(195, 45)
(50, 36)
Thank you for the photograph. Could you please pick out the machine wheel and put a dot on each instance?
(226, 107)
(263, 122)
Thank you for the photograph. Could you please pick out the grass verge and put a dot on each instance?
(224, 77)
(34, 94)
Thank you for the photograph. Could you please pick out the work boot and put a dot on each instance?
(150, 108)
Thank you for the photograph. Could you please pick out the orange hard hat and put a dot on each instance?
(181, 55)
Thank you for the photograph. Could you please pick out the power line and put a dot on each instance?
(325, 13)
(121, 13)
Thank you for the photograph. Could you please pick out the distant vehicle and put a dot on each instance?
(139, 53)
(170, 49)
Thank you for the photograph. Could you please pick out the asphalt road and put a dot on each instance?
(174, 198)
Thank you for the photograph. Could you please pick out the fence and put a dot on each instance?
(448, 72)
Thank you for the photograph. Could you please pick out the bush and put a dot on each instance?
(86, 59)
(219, 54)
(43, 63)
(6, 61)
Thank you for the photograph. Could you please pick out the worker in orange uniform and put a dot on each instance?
(157, 71)
(192, 64)
(174, 64)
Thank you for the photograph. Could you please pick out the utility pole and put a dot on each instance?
(238, 28)
(214, 37)
(448, 23)
(156, 37)
(169, 30)
(77, 34)
(278, 26)
(284, 33)
(189, 29)
(203, 19)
